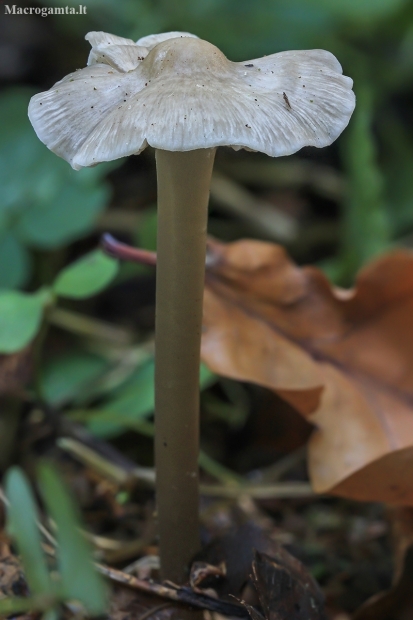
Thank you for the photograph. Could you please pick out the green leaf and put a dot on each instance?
(79, 578)
(366, 231)
(15, 262)
(133, 402)
(16, 606)
(22, 517)
(206, 377)
(65, 216)
(64, 377)
(20, 319)
(42, 200)
(87, 276)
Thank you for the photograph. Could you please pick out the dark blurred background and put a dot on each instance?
(337, 206)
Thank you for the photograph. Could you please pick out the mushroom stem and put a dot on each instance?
(183, 193)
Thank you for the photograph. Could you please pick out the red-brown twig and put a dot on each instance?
(115, 248)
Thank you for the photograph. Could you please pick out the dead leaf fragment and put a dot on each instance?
(12, 580)
(286, 589)
(343, 360)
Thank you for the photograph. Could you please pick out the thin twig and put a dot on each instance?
(281, 490)
(126, 252)
(86, 326)
(104, 467)
(173, 593)
(324, 180)
(95, 461)
(274, 472)
(263, 216)
(148, 561)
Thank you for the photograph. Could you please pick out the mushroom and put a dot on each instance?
(182, 96)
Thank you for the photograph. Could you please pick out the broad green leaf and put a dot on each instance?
(15, 262)
(64, 377)
(79, 578)
(20, 319)
(67, 215)
(42, 200)
(22, 517)
(87, 276)
(133, 402)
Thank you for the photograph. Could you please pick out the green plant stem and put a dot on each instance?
(183, 194)
(365, 230)
(229, 488)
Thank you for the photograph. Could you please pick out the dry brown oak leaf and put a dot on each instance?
(343, 359)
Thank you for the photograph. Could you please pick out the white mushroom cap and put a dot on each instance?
(153, 39)
(121, 54)
(182, 94)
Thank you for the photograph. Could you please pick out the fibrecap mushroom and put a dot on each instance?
(176, 92)
(182, 96)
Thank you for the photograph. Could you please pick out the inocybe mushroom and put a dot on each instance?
(182, 96)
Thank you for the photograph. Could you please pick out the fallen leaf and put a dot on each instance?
(235, 550)
(12, 580)
(343, 359)
(286, 589)
(284, 586)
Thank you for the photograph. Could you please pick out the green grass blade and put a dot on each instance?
(22, 525)
(79, 578)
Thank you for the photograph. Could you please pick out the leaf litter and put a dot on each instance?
(343, 359)
(320, 346)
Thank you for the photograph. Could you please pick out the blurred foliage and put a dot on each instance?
(87, 276)
(78, 580)
(243, 29)
(65, 376)
(44, 204)
(131, 403)
(21, 313)
(20, 319)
